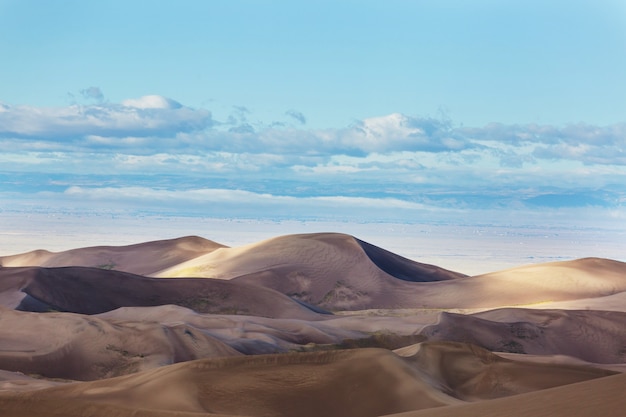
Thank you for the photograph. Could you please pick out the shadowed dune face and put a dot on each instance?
(92, 291)
(593, 336)
(142, 258)
(405, 269)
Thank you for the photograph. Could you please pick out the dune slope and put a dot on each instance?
(593, 336)
(78, 347)
(471, 373)
(93, 290)
(187, 327)
(598, 397)
(359, 383)
(141, 259)
(331, 270)
(367, 382)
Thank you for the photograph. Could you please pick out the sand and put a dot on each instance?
(320, 324)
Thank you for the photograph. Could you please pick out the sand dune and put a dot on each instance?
(370, 289)
(72, 346)
(317, 250)
(94, 290)
(247, 334)
(367, 382)
(142, 258)
(528, 285)
(331, 270)
(599, 397)
(189, 327)
(18, 382)
(593, 336)
(339, 272)
(471, 373)
(364, 382)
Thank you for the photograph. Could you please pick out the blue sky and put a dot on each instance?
(367, 110)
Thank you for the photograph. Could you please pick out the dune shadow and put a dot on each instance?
(406, 269)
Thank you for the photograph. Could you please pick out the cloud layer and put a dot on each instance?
(149, 116)
(156, 124)
(155, 147)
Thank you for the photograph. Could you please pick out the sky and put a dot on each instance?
(485, 112)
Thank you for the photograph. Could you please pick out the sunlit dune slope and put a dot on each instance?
(599, 397)
(72, 346)
(359, 383)
(321, 274)
(367, 382)
(471, 373)
(336, 253)
(332, 270)
(594, 336)
(340, 272)
(142, 259)
(93, 290)
(528, 285)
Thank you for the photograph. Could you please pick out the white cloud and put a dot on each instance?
(250, 204)
(155, 124)
(143, 117)
(162, 152)
(152, 102)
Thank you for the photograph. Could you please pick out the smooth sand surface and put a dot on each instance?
(363, 382)
(332, 270)
(593, 336)
(79, 347)
(189, 327)
(94, 290)
(600, 397)
(142, 258)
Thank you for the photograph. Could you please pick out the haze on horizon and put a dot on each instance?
(403, 111)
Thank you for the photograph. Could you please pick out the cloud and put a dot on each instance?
(229, 202)
(398, 132)
(152, 102)
(150, 116)
(535, 207)
(93, 93)
(588, 144)
(156, 154)
(297, 116)
(156, 124)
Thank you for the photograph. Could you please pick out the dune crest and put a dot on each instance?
(141, 258)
